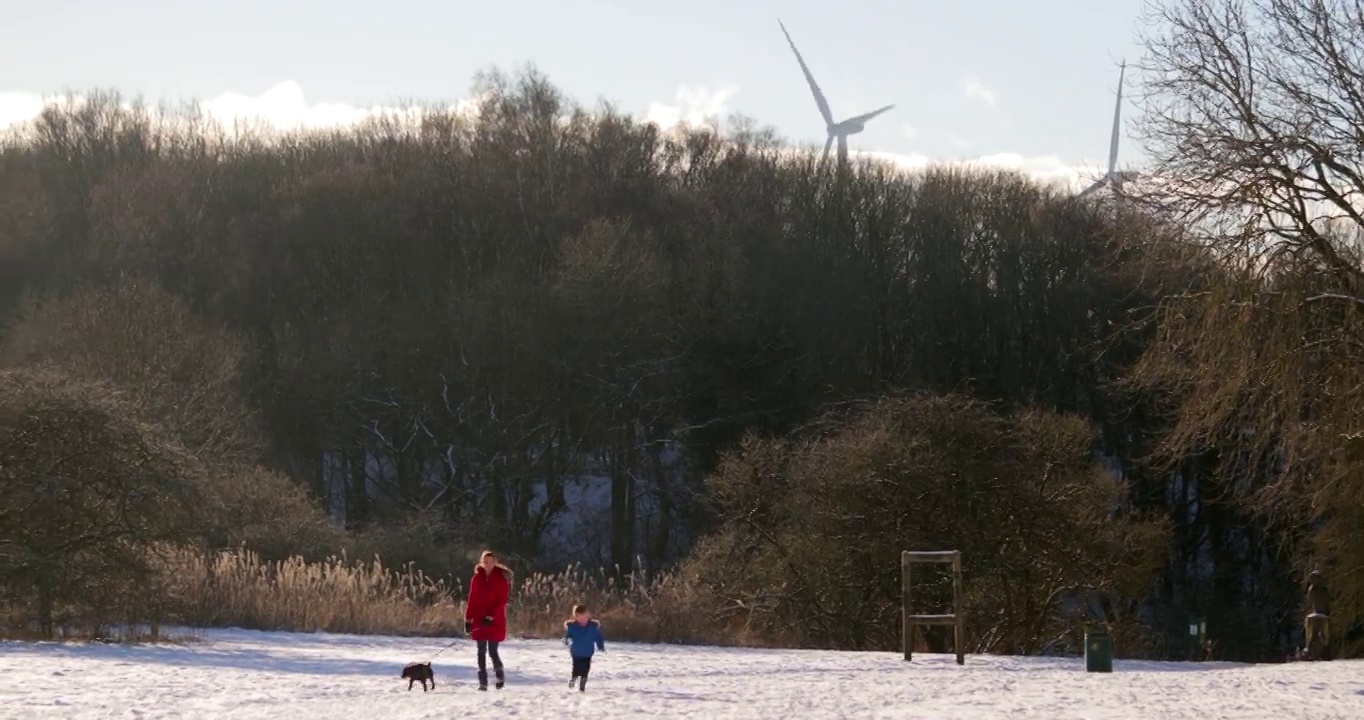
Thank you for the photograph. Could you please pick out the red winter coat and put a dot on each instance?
(488, 598)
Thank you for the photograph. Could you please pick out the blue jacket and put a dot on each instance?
(583, 640)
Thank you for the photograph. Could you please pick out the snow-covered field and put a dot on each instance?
(243, 674)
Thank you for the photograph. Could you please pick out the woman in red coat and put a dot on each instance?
(485, 615)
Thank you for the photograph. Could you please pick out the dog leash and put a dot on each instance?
(447, 647)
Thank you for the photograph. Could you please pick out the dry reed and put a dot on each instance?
(637, 607)
(238, 589)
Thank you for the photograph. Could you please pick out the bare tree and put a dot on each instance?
(469, 315)
(812, 527)
(1254, 119)
(1255, 122)
(86, 490)
(178, 371)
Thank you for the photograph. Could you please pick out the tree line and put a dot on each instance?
(445, 331)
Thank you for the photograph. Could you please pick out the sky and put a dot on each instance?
(1024, 84)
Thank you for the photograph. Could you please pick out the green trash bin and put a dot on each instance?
(1098, 650)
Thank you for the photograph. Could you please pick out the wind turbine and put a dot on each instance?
(1113, 178)
(840, 130)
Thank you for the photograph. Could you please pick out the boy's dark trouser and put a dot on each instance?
(581, 666)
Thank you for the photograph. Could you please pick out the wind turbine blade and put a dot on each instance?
(1117, 124)
(814, 87)
(842, 149)
(867, 116)
(1092, 188)
(827, 143)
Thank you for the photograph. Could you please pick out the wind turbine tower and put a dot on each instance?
(837, 130)
(1113, 178)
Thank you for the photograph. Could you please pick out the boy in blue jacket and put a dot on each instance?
(583, 637)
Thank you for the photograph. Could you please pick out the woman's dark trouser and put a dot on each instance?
(486, 648)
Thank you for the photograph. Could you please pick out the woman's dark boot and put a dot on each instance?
(501, 676)
(482, 679)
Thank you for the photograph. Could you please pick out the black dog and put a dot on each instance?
(419, 672)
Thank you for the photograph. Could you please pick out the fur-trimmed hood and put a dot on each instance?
(506, 571)
(590, 623)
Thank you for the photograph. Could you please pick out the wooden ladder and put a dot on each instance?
(908, 559)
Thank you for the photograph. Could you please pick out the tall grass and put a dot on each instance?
(637, 607)
(238, 589)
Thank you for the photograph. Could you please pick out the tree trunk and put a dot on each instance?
(658, 547)
(622, 502)
(45, 603)
(357, 499)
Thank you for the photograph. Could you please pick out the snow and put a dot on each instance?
(248, 674)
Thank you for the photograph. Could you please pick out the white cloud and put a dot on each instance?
(17, 107)
(692, 105)
(285, 107)
(699, 106)
(1045, 169)
(975, 89)
(282, 107)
